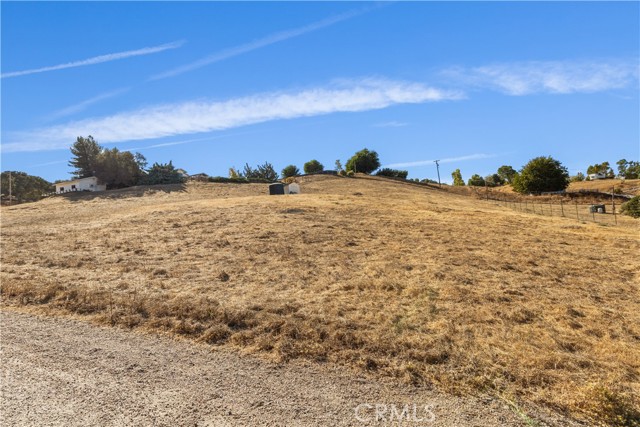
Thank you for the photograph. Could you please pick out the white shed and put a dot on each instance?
(82, 184)
(292, 188)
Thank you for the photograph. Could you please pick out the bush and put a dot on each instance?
(313, 166)
(430, 181)
(237, 180)
(494, 180)
(476, 180)
(541, 174)
(393, 173)
(364, 161)
(163, 174)
(291, 170)
(632, 207)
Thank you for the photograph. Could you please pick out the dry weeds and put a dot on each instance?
(394, 279)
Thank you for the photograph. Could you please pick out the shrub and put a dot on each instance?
(237, 180)
(632, 207)
(476, 180)
(163, 174)
(541, 174)
(291, 170)
(364, 161)
(313, 166)
(393, 173)
(494, 180)
(430, 181)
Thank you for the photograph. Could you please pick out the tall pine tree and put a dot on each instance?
(85, 156)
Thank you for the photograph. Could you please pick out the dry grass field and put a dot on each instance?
(627, 186)
(395, 279)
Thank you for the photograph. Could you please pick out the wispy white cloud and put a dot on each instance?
(98, 59)
(391, 124)
(259, 43)
(202, 116)
(81, 106)
(57, 162)
(556, 77)
(441, 161)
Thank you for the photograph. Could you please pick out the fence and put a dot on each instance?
(559, 208)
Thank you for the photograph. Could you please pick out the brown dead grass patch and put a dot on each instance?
(393, 279)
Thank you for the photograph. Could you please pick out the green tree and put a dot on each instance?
(577, 177)
(338, 165)
(628, 169)
(541, 174)
(632, 207)
(494, 180)
(313, 166)
(264, 172)
(165, 173)
(289, 171)
(141, 161)
(507, 173)
(457, 177)
(476, 181)
(364, 161)
(24, 187)
(118, 169)
(85, 153)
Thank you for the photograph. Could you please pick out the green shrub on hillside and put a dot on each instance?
(632, 207)
(238, 180)
(313, 166)
(163, 173)
(393, 173)
(291, 170)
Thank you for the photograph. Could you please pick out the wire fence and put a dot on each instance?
(605, 213)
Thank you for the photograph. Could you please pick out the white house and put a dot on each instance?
(599, 175)
(83, 184)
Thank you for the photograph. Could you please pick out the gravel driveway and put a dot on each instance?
(62, 372)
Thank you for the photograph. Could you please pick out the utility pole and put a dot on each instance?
(438, 166)
(9, 188)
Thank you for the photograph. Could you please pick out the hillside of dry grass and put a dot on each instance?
(626, 186)
(395, 279)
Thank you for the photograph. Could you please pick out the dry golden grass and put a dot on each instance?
(627, 186)
(391, 278)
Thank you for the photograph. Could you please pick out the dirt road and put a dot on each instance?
(64, 372)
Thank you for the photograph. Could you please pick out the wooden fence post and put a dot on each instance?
(613, 206)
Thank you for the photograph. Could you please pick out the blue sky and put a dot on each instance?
(213, 85)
